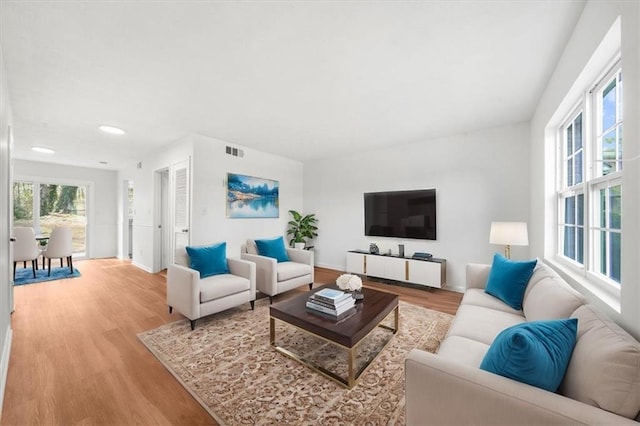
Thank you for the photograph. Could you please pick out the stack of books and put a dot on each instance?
(332, 302)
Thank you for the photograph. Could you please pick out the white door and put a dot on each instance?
(180, 208)
(6, 219)
(164, 220)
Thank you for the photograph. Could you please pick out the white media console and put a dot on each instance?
(430, 273)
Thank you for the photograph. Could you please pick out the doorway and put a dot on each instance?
(162, 221)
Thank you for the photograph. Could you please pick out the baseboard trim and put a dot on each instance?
(4, 363)
(143, 267)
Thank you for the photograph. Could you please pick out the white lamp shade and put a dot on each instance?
(509, 233)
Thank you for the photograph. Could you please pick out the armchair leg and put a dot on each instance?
(70, 264)
(49, 265)
(310, 286)
(170, 309)
(193, 324)
(14, 270)
(61, 265)
(253, 304)
(271, 300)
(33, 266)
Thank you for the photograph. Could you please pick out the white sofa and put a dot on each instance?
(601, 385)
(272, 277)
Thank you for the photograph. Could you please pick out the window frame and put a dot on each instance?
(591, 184)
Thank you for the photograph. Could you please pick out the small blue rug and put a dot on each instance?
(25, 275)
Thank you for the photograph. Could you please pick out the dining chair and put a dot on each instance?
(59, 246)
(25, 248)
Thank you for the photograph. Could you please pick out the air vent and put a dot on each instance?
(234, 151)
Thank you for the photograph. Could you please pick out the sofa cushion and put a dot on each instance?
(481, 324)
(477, 297)
(462, 350)
(289, 270)
(217, 286)
(536, 352)
(209, 260)
(605, 366)
(508, 279)
(544, 286)
(273, 248)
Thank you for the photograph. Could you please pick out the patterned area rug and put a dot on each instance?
(227, 364)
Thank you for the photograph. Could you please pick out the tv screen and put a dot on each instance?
(401, 214)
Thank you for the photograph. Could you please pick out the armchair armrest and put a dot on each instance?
(444, 392)
(183, 290)
(245, 269)
(303, 256)
(477, 275)
(266, 272)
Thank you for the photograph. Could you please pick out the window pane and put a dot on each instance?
(570, 172)
(608, 152)
(580, 209)
(63, 205)
(569, 140)
(603, 252)
(578, 168)
(614, 256)
(609, 105)
(615, 207)
(603, 208)
(580, 245)
(569, 242)
(619, 149)
(578, 132)
(569, 210)
(23, 204)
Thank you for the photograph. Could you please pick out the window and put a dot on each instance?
(589, 188)
(44, 206)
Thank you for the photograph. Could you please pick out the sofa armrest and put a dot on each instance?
(443, 392)
(266, 272)
(477, 275)
(245, 269)
(183, 290)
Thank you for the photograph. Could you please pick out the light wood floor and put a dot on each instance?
(75, 357)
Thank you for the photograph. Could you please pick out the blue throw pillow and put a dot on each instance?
(209, 260)
(508, 279)
(273, 248)
(536, 352)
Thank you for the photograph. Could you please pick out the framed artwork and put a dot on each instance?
(252, 197)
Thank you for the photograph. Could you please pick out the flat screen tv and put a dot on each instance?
(401, 214)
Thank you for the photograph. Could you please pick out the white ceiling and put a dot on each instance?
(300, 79)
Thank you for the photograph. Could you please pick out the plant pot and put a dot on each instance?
(299, 246)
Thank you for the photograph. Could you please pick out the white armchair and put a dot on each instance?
(25, 248)
(272, 277)
(196, 297)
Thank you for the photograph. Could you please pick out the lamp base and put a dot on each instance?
(507, 251)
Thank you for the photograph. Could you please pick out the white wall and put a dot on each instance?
(596, 20)
(6, 290)
(209, 167)
(480, 177)
(102, 236)
(144, 198)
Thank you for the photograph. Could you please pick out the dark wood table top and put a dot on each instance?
(347, 332)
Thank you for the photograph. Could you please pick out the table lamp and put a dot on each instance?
(509, 234)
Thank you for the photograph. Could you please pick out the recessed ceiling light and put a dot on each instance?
(112, 130)
(42, 150)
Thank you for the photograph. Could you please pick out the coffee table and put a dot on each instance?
(346, 333)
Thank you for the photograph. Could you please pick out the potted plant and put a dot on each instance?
(301, 228)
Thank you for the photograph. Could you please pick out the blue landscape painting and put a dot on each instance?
(249, 196)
